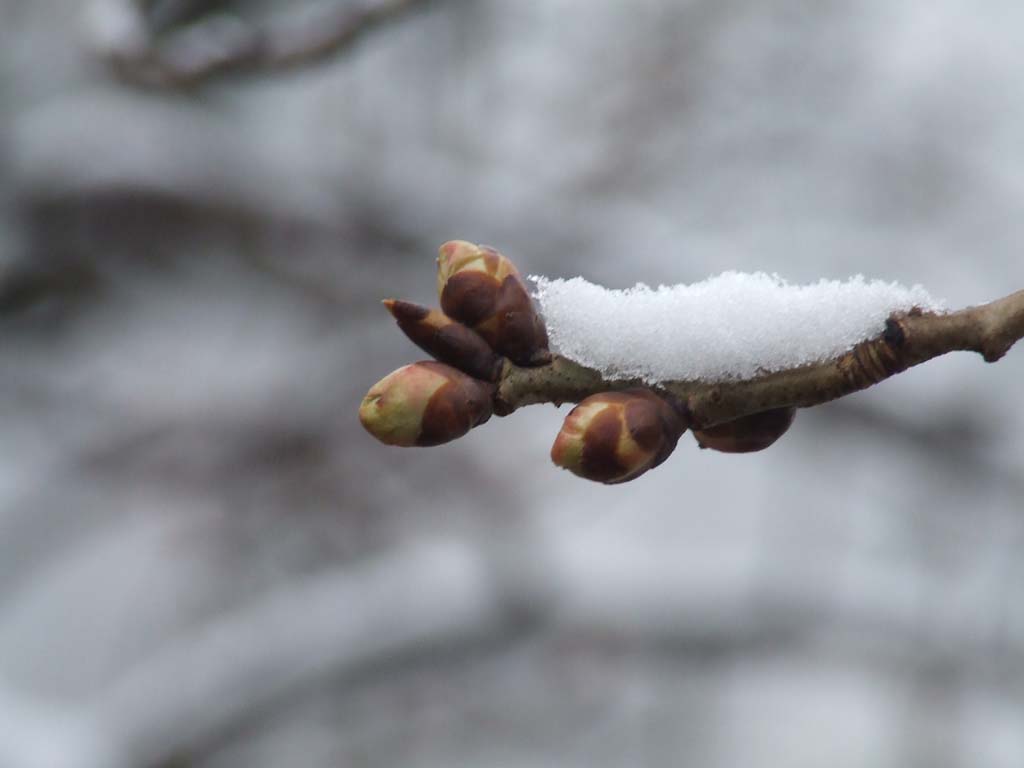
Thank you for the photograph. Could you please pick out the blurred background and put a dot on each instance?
(206, 562)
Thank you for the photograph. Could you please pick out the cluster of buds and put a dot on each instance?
(483, 290)
(748, 434)
(445, 339)
(486, 321)
(613, 437)
(425, 404)
(486, 317)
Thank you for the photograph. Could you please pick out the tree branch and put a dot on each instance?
(219, 43)
(909, 339)
(422, 599)
(419, 598)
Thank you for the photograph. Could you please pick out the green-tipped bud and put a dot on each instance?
(445, 339)
(613, 437)
(482, 289)
(425, 403)
(751, 433)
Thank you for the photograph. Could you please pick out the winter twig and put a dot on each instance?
(909, 339)
(492, 348)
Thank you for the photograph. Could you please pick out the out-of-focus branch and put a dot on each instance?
(910, 339)
(62, 151)
(430, 597)
(21, 288)
(419, 597)
(220, 43)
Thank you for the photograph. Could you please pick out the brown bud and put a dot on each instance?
(481, 288)
(425, 403)
(445, 339)
(613, 437)
(751, 433)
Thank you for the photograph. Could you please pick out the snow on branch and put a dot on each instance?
(733, 326)
(908, 337)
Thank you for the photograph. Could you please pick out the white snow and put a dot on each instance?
(732, 326)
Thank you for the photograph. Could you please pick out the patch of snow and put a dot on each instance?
(732, 326)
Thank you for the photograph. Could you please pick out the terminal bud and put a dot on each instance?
(480, 287)
(748, 434)
(424, 404)
(613, 437)
(445, 339)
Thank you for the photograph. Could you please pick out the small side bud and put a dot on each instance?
(751, 433)
(424, 404)
(481, 288)
(445, 339)
(613, 437)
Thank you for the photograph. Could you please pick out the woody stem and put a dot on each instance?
(908, 340)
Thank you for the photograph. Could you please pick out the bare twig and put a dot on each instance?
(219, 43)
(909, 339)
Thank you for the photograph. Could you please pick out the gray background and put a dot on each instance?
(204, 560)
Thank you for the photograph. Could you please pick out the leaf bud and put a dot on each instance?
(748, 434)
(423, 404)
(613, 437)
(482, 288)
(445, 339)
